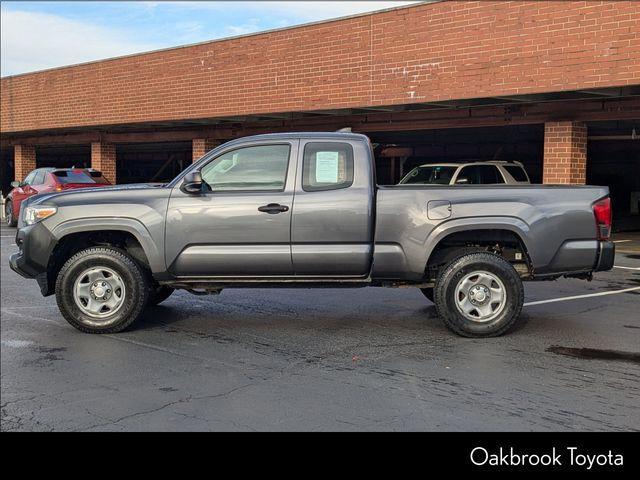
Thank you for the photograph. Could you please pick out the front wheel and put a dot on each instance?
(479, 295)
(8, 213)
(101, 290)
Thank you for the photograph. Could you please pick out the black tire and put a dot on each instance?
(8, 211)
(447, 304)
(428, 292)
(158, 294)
(132, 275)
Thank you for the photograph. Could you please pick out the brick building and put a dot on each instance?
(553, 84)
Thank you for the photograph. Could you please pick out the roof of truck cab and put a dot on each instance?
(301, 135)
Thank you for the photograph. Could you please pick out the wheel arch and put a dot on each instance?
(134, 228)
(484, 232)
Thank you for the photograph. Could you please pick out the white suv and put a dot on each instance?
(468, 173)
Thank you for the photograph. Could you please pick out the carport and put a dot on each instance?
(398, 152)
(7, 171)
(613, 159)
(151, 162)
(63, 156)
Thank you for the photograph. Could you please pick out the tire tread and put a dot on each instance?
(134, 268)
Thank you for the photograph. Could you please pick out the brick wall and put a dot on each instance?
(428, 52)
(565, 153)
(200, 146)
(103, 158)
(24, 160)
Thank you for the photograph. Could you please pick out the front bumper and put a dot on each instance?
(606, 256)
(36, 244)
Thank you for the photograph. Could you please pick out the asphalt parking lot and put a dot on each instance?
(366, 359)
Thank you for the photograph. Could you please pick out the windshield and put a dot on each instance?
(79, 176)
(430, 175)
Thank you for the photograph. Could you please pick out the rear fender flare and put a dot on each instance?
(512, 224)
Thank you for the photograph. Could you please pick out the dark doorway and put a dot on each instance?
(7, 171)
(613, 159)
(67, 156)
(151, 162)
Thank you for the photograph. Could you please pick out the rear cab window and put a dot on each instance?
(327, 166)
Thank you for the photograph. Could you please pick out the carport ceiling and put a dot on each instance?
(445, 114)
(604, 93)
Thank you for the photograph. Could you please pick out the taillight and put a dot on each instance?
(58, 188)
(602, 212)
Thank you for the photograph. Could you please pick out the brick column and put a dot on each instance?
(202, 146)
(24, 160)
(103, 158)
(565, 153)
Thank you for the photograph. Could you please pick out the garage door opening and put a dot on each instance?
(613, 159)
(397, 153)
(68, 156)
(151, 162)
(7, 171)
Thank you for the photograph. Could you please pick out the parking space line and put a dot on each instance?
(621, 241)
(626, 268)
(576, 297)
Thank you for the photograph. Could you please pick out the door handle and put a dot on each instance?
(273, 208)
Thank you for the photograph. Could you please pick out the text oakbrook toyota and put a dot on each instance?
(572, 457)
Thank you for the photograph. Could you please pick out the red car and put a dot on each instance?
(45, 180)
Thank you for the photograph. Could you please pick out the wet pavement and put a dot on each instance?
(332, 359)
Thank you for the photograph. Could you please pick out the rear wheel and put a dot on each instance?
(8, 212)
(479, 295)
(101, 290)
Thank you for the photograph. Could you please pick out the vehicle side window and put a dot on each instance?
(517, 172)
(30, 177)
(259, 168)
(481, 175)
(39, 178)
(327, 166)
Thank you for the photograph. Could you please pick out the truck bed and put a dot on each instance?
(555, 223)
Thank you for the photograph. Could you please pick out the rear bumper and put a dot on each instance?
(606, 256)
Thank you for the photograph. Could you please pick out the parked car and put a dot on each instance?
(46, 180)
(468, 173)
(303, 209)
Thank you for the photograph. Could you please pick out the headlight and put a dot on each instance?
(35, 214)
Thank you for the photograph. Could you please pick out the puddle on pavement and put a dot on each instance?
(595, 354)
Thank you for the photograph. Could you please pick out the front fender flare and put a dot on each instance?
(154, 254)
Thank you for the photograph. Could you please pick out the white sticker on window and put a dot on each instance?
(327, 167)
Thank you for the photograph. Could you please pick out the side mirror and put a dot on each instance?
(192, 183)
(462, 181)
(15, 184)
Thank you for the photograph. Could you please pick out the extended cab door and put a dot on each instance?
(332, 223)
(241, 226)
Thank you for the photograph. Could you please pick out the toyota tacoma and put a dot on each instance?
(304, 209)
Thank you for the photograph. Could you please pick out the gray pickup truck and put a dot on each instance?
(304, 210)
